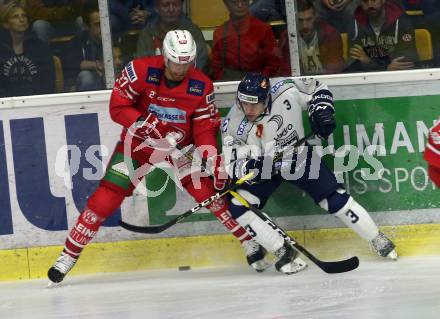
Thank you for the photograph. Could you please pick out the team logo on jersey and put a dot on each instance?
(168, 114)
(210, 98)
(130, 72)
(154, 75)
(259, 132)
(278, 119)
(406, 37)
(195, 87)
(241, 127)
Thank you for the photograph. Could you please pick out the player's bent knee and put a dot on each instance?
(237, 209)
(250, 198)
(335, 201)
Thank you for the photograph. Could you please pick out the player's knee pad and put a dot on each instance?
(335, 201)
(261, 230)
(237, 209)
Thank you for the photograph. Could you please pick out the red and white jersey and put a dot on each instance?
(189, 107)
(432, 150)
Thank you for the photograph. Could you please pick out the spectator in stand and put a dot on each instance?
(118, 62)
(338, 13)
(268, 10)
(430, 20)
(26, 64)
(85, 60)
(384, 38)
(320, 44)
(53, 18)
(170, 17)
(243, 44)
(129, 14)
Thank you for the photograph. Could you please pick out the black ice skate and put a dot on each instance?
(288, 261)
(62, 266)
(383, 246)
(255, 254)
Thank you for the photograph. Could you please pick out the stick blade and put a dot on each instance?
(142, 229)
(336, 267)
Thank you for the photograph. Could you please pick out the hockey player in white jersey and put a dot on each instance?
(265, 120)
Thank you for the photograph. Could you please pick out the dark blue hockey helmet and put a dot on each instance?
(254, 88)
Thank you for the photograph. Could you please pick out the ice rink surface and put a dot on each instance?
(409, 288)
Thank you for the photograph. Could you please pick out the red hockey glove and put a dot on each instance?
(151, 128)
(156, 133)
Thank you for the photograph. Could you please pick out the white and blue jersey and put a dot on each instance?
(280, 127)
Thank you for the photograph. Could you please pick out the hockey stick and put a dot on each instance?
(178, 219)
(160, 228)
(330, 267)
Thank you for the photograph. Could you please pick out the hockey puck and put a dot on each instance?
(183, 268)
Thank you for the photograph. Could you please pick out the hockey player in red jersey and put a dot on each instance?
(432, 154)
(160, 98)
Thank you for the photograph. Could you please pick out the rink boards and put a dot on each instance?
(209, 251)
(53, 150)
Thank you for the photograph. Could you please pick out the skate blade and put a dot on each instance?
(261, 265)
(393, 255)
(51, 284)
(300, 266)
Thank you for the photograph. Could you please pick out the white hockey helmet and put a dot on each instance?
(179, 46)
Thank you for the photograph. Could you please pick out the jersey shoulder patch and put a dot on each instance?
(196, 87)
(131, 73)
(280, 86)
(210, 98)
(154, 75)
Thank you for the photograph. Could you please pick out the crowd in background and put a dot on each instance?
(41, 40)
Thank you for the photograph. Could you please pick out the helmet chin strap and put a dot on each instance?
(262, 114)
(259, 117)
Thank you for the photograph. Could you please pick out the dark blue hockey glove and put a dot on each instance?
(321, 114)
(323, 123)
(261, 167)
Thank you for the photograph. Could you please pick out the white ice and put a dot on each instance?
(408, 288)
